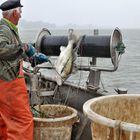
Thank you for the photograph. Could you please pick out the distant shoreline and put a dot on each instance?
(30, 25)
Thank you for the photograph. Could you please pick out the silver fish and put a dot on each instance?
(64, 64)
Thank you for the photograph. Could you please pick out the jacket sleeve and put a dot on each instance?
(9, 51)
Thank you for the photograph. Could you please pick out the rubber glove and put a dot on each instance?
(30, 51)
(39, 58)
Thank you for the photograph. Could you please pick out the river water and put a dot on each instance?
(128, 74)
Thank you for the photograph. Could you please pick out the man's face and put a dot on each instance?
(17, 15)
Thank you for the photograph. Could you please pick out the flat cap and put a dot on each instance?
(10, 4)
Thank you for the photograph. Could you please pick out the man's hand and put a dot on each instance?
(30, 50)
(34, 57)
(38, 58)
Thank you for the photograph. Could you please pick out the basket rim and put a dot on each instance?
(58, 119)
(107, 121)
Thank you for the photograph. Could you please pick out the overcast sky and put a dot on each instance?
(104, 13)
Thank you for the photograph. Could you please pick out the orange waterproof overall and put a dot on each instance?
(16, 121)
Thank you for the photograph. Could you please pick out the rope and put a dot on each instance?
(120, 48)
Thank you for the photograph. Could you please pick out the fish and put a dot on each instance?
(64, 64)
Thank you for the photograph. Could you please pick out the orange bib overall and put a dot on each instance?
(16, 121)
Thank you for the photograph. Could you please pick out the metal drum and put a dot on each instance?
(91, 46)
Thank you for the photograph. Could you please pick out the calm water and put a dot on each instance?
(128, 74)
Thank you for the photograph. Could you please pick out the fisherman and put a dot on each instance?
(16, 120)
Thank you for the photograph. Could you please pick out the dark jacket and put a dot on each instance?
(11, 52)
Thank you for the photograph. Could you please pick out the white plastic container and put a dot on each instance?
(114, 117)
(57, 123)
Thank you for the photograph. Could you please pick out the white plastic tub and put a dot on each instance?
(57, 123)
(114, 117)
